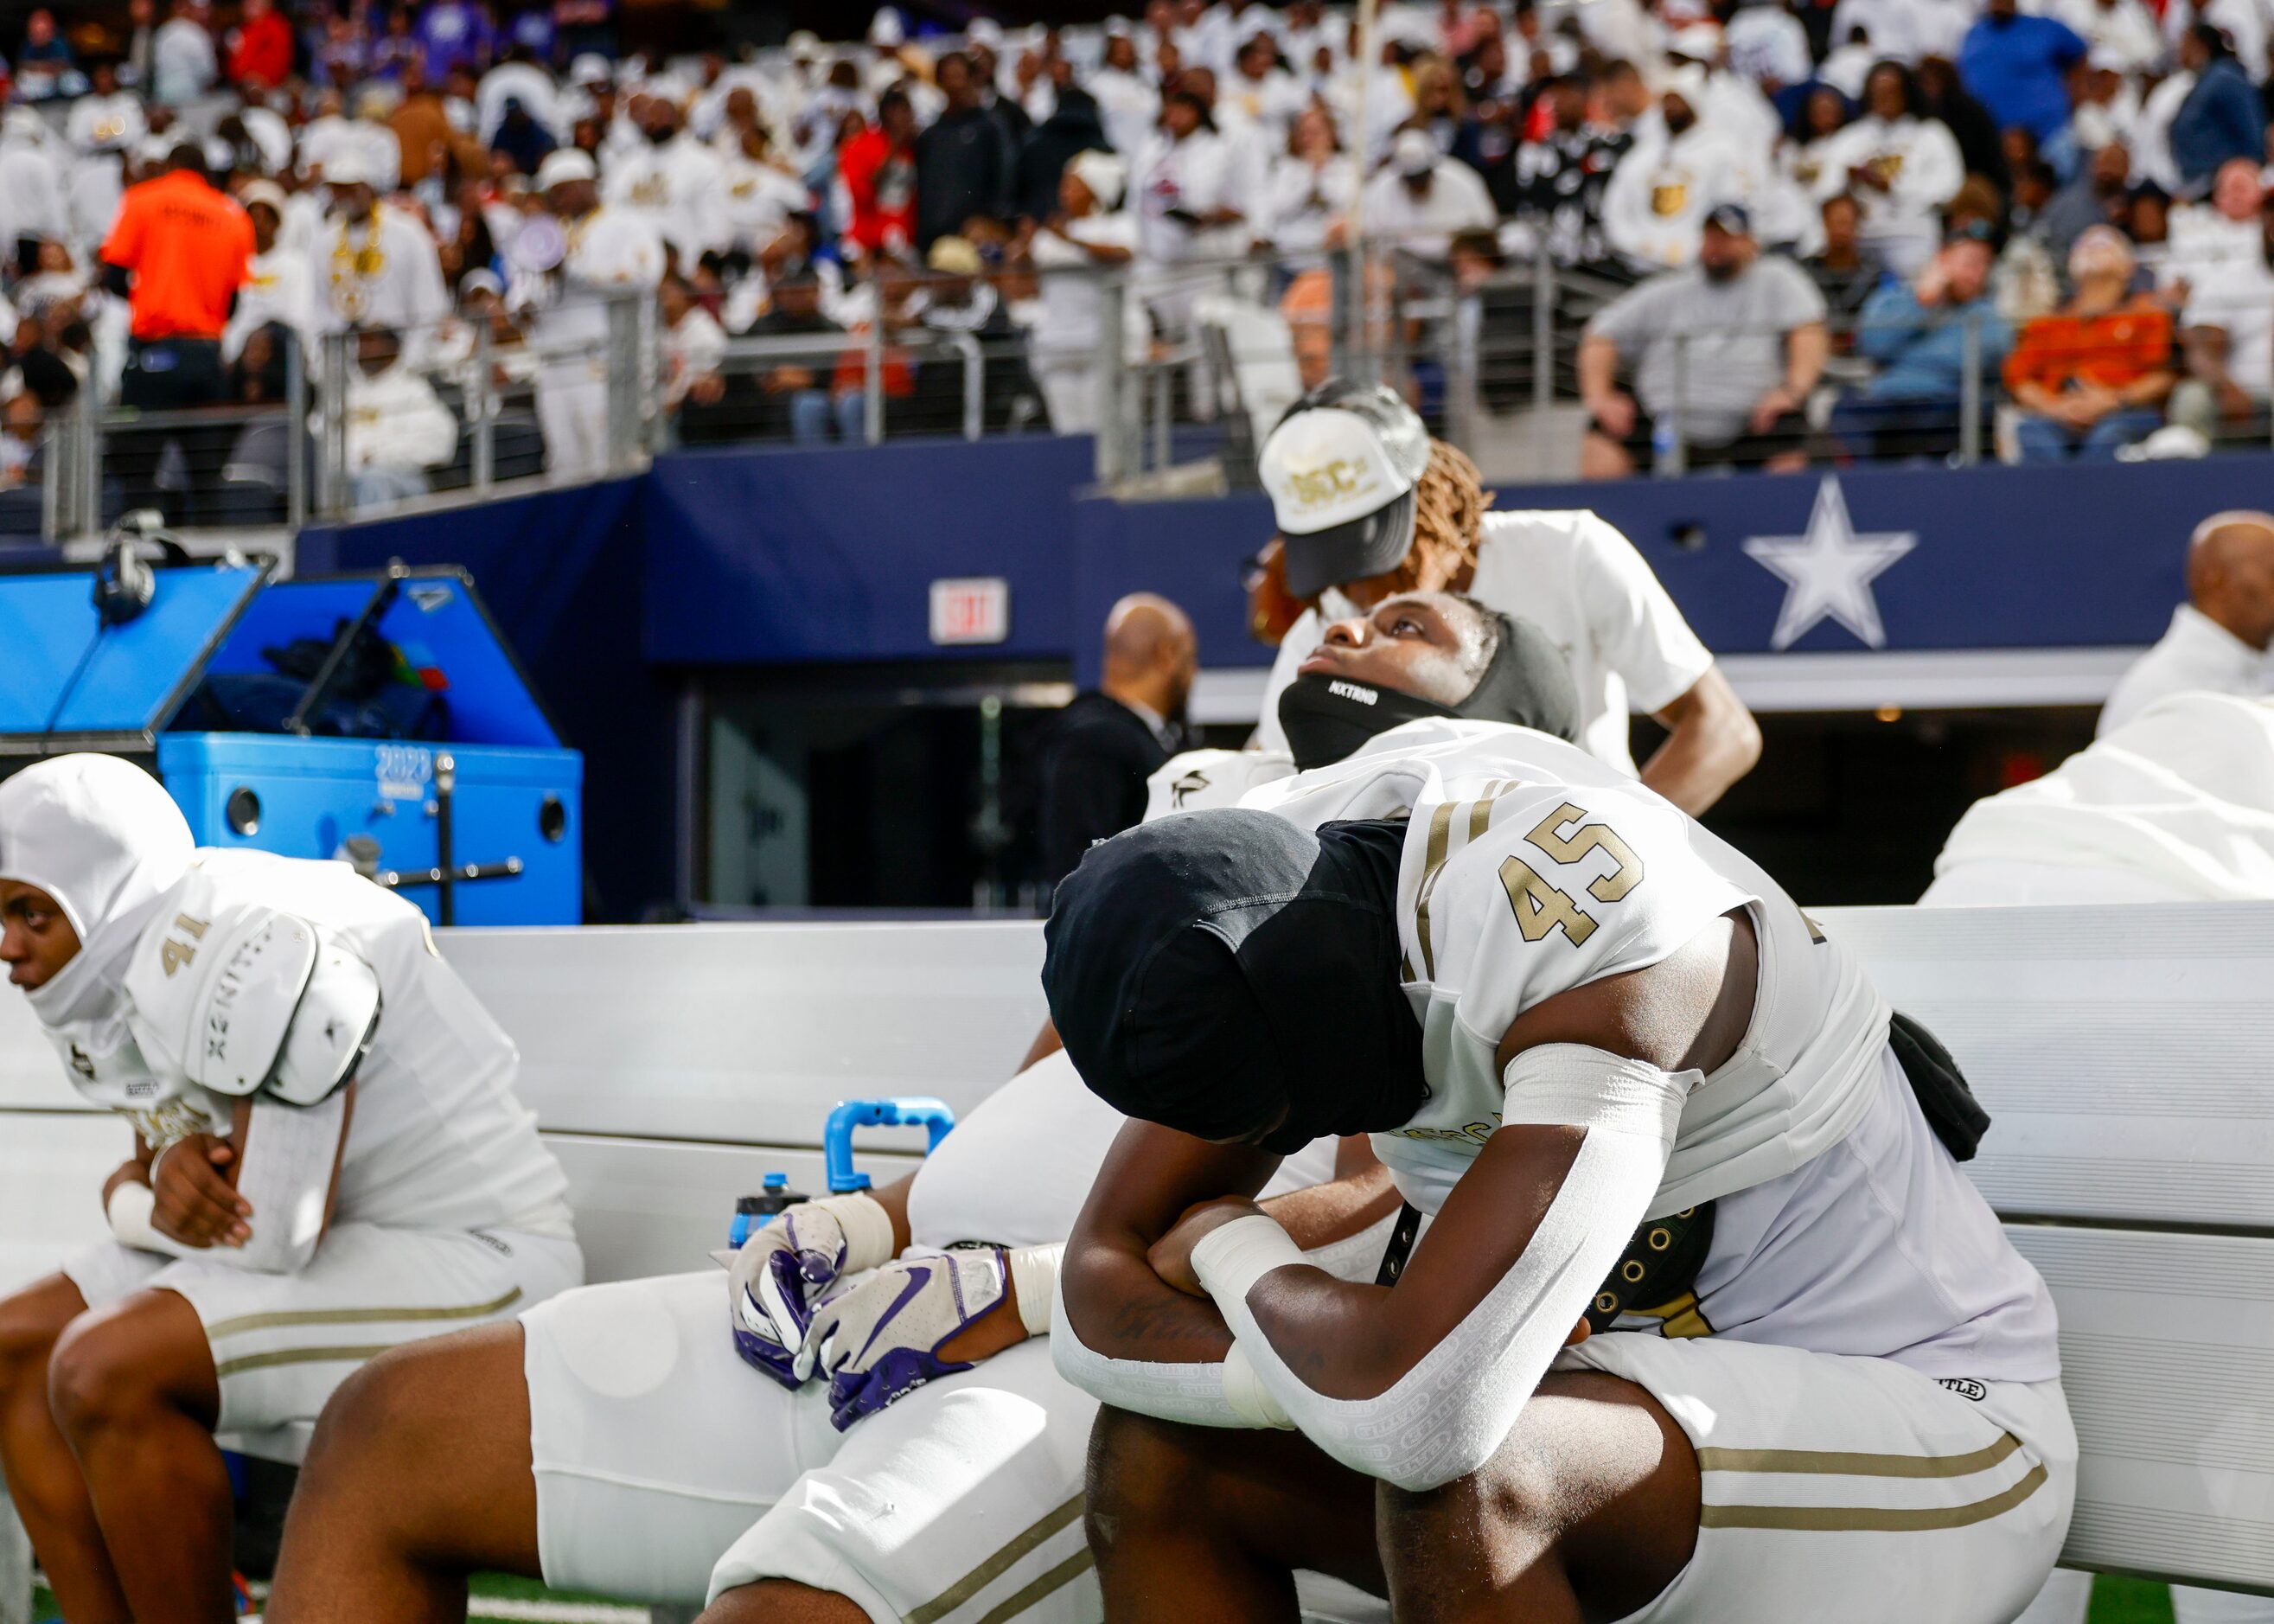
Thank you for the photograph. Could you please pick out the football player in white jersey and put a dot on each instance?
(328, 1161)
(1369, 505)
(1594, 1041)
(614, 1442)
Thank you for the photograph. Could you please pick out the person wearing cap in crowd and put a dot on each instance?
(328, 1159)
(1089, 233)
(2222, 254)
(178, 251)
(1369, 505)
(522, 1448)
(1105, 744)
(278, 285)
(372, 266)
(1724, 355)
(563, 263)
(1423, 199)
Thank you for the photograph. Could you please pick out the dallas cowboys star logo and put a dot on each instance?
(1829, 570)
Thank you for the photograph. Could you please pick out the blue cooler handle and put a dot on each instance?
(905, 1112)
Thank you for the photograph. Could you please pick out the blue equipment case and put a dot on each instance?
(482, 829)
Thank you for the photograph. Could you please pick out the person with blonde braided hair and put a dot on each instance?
(1369, 506)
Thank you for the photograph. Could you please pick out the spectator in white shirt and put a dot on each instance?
(277, 285)
(2218, 639)
(1260, 91)
(2222, 266)
(398, 430)
(183, 63)
(1902, 168)
(1310, 192)
(374, 265)
(2125, 29)
(694, 345)
(1423, 199)
(1127, 103)
(1090, 232)
(675, 181)
(31, 202)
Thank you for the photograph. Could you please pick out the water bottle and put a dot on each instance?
(756, 1212)
(1665, 446)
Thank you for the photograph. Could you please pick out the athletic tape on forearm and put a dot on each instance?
(1249, 1398)
(1188, 1393)
(868, 1229)
(1448, 1414)
(1034, 1280)
(130, 1208)
(1231, 1258)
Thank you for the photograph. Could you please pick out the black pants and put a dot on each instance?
(171, 375)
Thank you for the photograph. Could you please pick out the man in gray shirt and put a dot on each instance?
(1724, 354)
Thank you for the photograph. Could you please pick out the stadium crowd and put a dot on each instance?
(1839, 222)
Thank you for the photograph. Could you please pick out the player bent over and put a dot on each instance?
(614, 1442)
(1588, 1036)
(328, 1161)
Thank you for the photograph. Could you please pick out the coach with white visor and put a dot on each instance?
(1369, 505)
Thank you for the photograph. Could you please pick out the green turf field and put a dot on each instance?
(2115, 1601)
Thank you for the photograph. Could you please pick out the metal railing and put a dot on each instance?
(1179, 372)
(511, 416)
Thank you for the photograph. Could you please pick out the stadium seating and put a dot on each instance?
(2120, 1050)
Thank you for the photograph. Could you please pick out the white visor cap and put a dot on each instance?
(1341, 475)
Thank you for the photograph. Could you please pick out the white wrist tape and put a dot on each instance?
(1446, 1416)
(128, 1210)
(1233, 1256)
(1189, 1392)
(868, 1231)
(1244, 1390)
(1034, 1278)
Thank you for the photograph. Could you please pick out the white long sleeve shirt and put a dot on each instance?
(2195, 653)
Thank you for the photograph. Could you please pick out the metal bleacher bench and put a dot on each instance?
(2126, 1053)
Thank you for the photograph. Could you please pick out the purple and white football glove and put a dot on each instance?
(879, 1340)
(777, 1277)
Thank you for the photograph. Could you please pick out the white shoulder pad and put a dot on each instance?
(215, 988)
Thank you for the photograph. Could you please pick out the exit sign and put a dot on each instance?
(974, 610)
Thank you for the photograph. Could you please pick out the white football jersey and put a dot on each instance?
(1532, 867)
(438, 1139)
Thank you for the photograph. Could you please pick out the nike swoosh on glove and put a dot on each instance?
(774, 1281)
(880, 1340)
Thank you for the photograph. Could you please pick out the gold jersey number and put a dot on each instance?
(1540, 907)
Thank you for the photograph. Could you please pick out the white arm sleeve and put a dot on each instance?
(1445, 1417)
(1217, 1396)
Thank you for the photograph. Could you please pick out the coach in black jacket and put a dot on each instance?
(1107, 743)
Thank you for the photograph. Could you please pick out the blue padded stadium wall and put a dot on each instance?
(730, 558)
